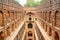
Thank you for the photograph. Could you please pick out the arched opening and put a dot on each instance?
(49, 17)
(8, 31)
(50, 31)
(29, 33)
(9, 13)
(1, 12)
(56, 36)
(57, 15)
(45, 15)
(30, 25)
(35, 18)
(1, 34)
(46, 28)
(12, 27)
(30, 13)
(30, 19)
(1, 18)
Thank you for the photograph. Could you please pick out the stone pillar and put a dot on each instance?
(8, 31)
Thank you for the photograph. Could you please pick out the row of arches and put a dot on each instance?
(51, 32)
(50, 18)
(30, 25)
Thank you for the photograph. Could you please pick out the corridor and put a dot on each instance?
(29, 23)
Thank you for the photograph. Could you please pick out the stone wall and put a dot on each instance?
(49, 15)
(11, 15)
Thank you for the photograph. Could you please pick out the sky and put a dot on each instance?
(22, 2)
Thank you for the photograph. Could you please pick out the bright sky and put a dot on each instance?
(22, 2)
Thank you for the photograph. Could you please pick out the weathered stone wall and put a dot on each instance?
(11, 15)
(49, 15)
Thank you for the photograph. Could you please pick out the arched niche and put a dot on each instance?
(49, 31)
(30, 13)
(56, 36)
(50, 16)
(30, 25)
(29, 33)
(57, 18)
(1, 34)
(8, 31)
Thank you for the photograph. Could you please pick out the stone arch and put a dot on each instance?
(49, 31)
(1, 35)
(30, 13)
(56, 13)
(1, 18)
(46, 28)
(29, 33)
(30, 25)
(45, 15)
(1, 11)
(8, 31)
(56, 36)
(49, 16)
(30, 18)
(12, 27)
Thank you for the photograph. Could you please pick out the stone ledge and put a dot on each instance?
(13, 34)
(45, 35)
